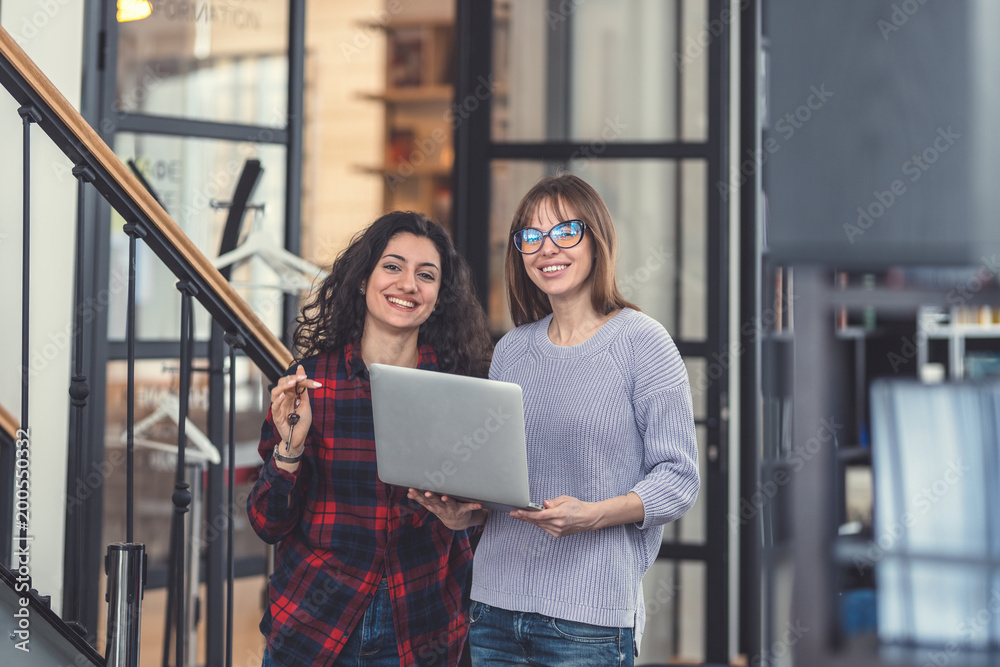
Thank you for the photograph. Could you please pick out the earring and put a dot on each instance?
(362, 290)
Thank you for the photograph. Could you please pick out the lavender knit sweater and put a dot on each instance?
(602, 418)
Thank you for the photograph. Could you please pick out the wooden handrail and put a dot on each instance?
(8, 424)
(88, 141)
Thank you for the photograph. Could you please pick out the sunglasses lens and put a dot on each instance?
(567, 235)
(528, 240)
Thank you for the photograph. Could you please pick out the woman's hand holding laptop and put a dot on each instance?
(566, 515)
(454, 514)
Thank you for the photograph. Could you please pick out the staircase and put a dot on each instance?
(37, 634)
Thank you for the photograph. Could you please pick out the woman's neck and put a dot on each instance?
(393, 349)
(575, 322)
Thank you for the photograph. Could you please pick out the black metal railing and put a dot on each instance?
(95, 165)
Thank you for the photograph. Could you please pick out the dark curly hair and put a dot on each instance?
(335, 315)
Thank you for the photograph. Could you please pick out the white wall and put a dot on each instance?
(51, 31)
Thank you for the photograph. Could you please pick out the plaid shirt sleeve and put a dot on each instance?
(275, 503)
(341, 531)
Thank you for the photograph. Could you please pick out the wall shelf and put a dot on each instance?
(417, 104)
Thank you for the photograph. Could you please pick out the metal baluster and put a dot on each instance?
(134, 231)
(125, 566)
(234, 341)
(173, 555)
(79, 390)
(182, 493)
(28, 116)
(125, 563)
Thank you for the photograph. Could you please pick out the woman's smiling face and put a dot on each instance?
(559, 272)
(402, 289)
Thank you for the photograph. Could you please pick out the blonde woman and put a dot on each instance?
(611, 446)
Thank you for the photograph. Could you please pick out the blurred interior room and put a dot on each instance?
(802, 198)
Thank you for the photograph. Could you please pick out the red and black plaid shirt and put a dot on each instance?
(342, 530)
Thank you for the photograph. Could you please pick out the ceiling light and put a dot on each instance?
(133, 10)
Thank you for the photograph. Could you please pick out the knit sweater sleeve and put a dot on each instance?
(497, 361)
(501, 351)
(665, 418)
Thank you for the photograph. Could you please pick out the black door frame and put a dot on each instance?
(474, 152)
(750, 637)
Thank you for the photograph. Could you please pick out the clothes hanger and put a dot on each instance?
(169, 407)
(295, 274)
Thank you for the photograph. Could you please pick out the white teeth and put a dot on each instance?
(550, 269)
(400, 302)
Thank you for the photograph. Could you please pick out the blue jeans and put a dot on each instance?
(501, 637)
(373, 642)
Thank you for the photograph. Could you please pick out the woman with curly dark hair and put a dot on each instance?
(362, 571)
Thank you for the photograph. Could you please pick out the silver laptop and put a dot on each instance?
(458, 436)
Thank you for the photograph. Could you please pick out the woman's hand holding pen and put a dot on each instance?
(290, 398)
(453, 514)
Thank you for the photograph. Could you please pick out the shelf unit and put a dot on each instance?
(817, 556)
(417, 101)
(955, 327)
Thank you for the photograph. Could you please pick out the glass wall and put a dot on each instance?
(616, 70)
(193, 179)
(218, 61)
